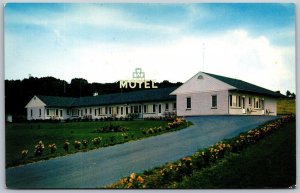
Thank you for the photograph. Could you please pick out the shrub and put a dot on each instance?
(24, 153)
(150, 131)
(159, 129)
(85, 143)
(96, 141)
(39, 148)
(52, 147)
(66, 145)
(77, 144)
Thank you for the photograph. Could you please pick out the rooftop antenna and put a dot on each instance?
(203, 52)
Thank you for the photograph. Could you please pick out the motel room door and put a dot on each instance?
(243, 105)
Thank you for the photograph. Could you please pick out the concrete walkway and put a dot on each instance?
(104, 166)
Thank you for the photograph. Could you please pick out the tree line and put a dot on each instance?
(19, 92)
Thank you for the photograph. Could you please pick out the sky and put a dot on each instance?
(106, 42)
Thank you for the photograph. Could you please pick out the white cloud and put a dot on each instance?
(234, 54)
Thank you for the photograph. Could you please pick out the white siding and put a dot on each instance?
(35, 113)
(269, 104)
(56, 113)
(35, 102)
(201, 103)
(206, 84)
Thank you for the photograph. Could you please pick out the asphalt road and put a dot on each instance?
(104, 166)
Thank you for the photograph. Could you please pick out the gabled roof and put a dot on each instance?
(56, 101)
(245, 86)
(162, 94)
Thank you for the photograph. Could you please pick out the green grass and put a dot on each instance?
(270, 163)
(20, 136)
(286, 106)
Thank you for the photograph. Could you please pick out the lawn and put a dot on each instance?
(269, 164)
(286, 106)
(21, 136)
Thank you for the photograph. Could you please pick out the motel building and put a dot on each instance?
(203, 94)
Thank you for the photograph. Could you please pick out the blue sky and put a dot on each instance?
(105, 42)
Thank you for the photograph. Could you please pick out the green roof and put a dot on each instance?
(245, 86)
(56, 101)
(150, 95)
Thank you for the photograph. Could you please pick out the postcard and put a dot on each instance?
(150, 95)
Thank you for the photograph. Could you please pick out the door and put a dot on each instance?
(243, 105)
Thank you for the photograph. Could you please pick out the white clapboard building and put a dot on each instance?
(203, 94)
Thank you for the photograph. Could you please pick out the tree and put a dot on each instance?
(293, 96)
(288, 93)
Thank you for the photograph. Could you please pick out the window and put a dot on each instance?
(214, 101)
(110, 110)
(167, 106)
(117, 110)
(257, 103)
(85, 111)
(40, 112)
(135, 109)
(56, 112)
(106, 110)
(145, 108)
(81, 112)
(68, 112)
(95, 112)
(140, 108)
(174, 105)
(235, 101)
(159, 108)
(250, 101)
(60, 112)
(131, 109)
(154, 109)
(188, 103)
(238, 102)
(121, 110)
(99, 111)
(90, 111)
(47, 112)
(126, 110)
(31, 112)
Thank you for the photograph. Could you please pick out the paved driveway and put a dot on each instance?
(104, 166)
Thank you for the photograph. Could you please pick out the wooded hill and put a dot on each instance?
(19, 92)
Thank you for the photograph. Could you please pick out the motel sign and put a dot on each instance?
(138, 80)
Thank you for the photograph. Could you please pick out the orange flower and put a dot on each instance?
(132, 176)
(129, 185)
(140, 179)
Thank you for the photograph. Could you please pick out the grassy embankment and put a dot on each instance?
(286, 106)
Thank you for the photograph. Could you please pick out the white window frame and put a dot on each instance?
(212, 102)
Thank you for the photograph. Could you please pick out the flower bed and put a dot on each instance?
(174, 172)
(174, 123)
